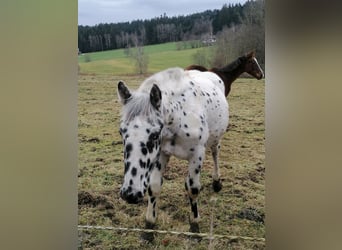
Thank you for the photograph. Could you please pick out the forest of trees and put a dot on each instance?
(237, 39)
(160, 29)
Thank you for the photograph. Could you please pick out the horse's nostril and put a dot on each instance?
(133, 199)
(122, 193)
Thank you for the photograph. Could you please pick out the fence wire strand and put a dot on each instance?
(202, 235)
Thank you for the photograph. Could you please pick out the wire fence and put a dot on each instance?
(190, 234)
(205, 236)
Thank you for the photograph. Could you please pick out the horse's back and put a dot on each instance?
(191, 95)
(199, 76)
(174, 79)
(167, 80)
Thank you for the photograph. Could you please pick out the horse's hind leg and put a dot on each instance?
(217, 184)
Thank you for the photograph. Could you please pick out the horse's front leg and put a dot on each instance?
(193, 187)
(153, 191)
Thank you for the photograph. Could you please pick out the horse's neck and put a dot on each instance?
(228, 77)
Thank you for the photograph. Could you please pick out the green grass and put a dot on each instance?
(242, 165)
(167, 59)
(161, 56)
(102, 55)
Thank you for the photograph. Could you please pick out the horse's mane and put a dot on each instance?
(138, 104)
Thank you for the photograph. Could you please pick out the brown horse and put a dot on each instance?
(246, 63)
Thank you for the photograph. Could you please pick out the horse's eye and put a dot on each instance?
(155, 136)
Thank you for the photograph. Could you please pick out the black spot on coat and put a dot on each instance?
(144, 151)
(134, 171)
(127, 164)
(142, 163)
(128, 150)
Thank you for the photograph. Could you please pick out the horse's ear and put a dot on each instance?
(155, 97)
(250, 54)
(123, 92)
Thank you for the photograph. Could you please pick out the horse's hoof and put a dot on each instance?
(194, 227)
(148, 236)
(217, 185)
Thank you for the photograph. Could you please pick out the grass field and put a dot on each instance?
(161, 56)
(238, 209)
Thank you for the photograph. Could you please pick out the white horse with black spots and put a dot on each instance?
(173, 112)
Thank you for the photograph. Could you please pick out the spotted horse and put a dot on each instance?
(173, 112)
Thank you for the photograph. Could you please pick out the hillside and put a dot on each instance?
(160, 56)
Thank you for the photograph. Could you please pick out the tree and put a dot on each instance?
(236, 40)
(202, 57)
(140, 58)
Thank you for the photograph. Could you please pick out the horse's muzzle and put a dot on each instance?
(131, 197)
